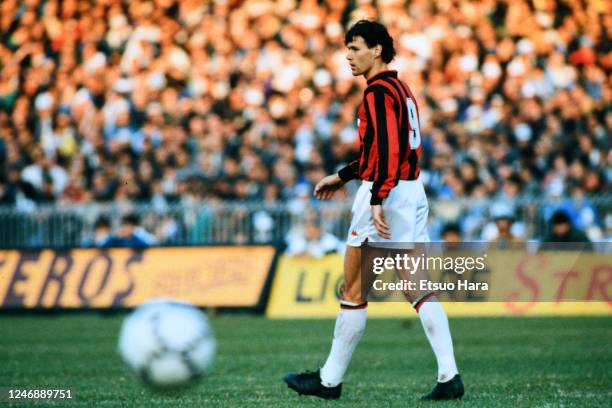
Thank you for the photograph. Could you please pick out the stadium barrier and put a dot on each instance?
(307, 287)
(178, 224)
(215, 276)
(203, 223)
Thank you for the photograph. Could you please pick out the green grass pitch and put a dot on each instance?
(505, 362)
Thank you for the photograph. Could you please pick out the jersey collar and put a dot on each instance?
(383, 74)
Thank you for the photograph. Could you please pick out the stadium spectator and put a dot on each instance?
(503, 231)
(102, 233)
(562, 230)
(147, 101)
(308, 239)
(130, 235)
(451, 233)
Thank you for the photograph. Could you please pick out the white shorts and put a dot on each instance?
(405, 208)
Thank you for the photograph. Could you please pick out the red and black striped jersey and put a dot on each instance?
(389, 135)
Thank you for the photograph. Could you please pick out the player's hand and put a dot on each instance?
(326, 188)
(380, 222)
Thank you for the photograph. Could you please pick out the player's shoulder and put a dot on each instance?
(387, 85)
(378, 87)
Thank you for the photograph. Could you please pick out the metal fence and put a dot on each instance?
(202, 223)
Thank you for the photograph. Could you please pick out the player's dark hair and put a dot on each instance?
(373, 33)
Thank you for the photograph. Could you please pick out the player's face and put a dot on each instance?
(360, 57)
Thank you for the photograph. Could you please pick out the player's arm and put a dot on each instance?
(381, 107)
(386, 138)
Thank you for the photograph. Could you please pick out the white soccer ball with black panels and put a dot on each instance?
(167, 343)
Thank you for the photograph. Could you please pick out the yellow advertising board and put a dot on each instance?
(204, 276)
(521, 285)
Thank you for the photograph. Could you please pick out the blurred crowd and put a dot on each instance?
(165, 101)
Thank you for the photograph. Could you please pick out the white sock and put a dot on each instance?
(350, 325)
(434, 320)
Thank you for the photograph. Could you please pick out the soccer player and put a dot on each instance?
(390, 205)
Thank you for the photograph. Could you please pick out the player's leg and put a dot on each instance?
(407, 211)
(351, 319)
(350, 322)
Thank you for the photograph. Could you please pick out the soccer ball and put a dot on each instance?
(167, 343)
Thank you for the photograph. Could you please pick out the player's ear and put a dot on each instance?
(377, 50)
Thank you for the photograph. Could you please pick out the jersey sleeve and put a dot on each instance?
(350, 171)
(386, 139)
